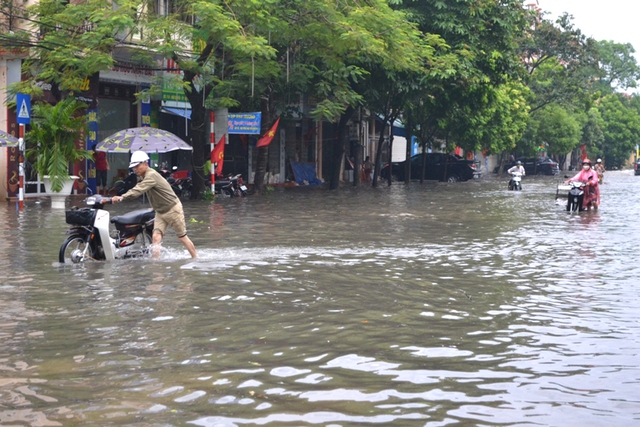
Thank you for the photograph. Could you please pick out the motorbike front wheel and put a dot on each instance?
(75, 249)
(573, 205)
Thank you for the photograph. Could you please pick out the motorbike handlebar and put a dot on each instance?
(97, 199)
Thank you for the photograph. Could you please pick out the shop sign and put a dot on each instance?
(244, 123)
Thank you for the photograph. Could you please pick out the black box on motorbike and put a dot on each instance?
(80, 216)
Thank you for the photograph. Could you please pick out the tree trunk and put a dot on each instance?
(262, 156)
(340, 146)
(390, 155)
(199, 128)
(407, 161)
(378, 164)
(357, 164)
(199, 142)
(424, 161)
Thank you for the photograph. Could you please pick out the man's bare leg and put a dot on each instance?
(156, 243)
(186, 241)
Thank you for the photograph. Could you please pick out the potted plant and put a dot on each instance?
(54, 131)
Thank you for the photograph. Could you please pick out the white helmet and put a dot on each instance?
(138, 157)
(599, 161)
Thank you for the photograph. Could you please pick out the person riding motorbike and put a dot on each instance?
(599, 168)
(518, 168)
(591, 190)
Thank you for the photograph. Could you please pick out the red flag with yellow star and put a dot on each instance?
(217, 155)
(267, 137)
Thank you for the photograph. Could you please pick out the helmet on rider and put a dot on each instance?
(518, 163)
(599, 161)
(138, 157)
(586, 162)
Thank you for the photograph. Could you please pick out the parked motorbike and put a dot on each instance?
(515, 183)
(185, 186)
(181, 187)
(232, 186)
(121, 186)
(576, 194)
(91, 240)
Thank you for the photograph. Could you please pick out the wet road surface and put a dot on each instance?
(436, 305)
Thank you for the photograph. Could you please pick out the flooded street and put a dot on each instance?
(429, 305)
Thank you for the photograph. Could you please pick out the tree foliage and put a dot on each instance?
(618, 66)
(620, 127)
(483, 75)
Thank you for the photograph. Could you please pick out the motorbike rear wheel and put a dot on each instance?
(145, 238)
(141, 245)
(74, 250)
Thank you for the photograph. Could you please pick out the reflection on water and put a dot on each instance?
(443, 304)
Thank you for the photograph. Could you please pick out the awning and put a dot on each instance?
(182, 112)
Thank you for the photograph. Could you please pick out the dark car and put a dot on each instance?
(457, 168)
(544, 166)
(636, 167)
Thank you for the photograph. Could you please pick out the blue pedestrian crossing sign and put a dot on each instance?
(23, 108)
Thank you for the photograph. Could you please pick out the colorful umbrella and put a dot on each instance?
(147, 139)
(7, 140)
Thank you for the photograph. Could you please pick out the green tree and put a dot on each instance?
(393, 55)
(621, 128)
(463, 95)
(561, 63)
(559, 130)
(495, 122)
(618, 66)
(592, 135)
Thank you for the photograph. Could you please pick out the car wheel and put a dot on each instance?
(453, 178)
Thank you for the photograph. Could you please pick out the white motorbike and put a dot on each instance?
(516, 181)
(91, 240)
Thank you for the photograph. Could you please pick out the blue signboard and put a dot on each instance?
(245, 123)
(23, 108)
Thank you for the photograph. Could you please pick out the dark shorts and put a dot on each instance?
(101, 178)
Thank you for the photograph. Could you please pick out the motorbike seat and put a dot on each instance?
(139, 216)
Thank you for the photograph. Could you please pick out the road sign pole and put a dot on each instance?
(213, 143)
(21, 167)
(23, 110)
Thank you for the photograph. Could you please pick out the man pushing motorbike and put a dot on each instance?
(591, 189)
(163, 200)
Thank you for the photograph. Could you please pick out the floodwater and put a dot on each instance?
(436, 305)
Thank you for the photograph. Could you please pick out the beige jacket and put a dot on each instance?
(160, 193)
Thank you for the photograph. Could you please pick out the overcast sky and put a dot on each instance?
(616, 20)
